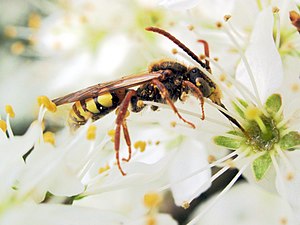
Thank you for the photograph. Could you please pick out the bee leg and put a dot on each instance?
(120, 121)
(206, 53)
(165, 95)
(197, 93)
(127, 139)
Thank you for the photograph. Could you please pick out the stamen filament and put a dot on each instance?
(8, 128)
(261, 124)
(219, 196)
(277, 22)
(247, 66)
(216, 163)
(285, 159)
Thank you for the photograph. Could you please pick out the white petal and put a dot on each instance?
(263, 58)
(190, 157)
(51, 214)
(179, 4)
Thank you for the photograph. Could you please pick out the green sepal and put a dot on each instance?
(238, 109)
(273, 103)
(227, 142)
(290, 140)
(261, 165)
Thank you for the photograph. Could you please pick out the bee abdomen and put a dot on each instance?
(92, 108)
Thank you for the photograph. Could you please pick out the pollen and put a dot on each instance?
(9, 110)
(49, 137)
(127, 112)
(91, 132)
(17, 48)
(84, 19)
(103, 169)
(191, 27)
(202, 56)
(211, 158)
(295, 88)
(10, 31)
(141, 145)
(174, 51)
(283, 221)
(152, 200)
(275, 9)
(45, 101)
(222, 77)
(140, 103)
(219, 24)
(3, 125)
(34, 21)
(173, 124)
(111, 133)
(227, 17)
(185, 205)
(290, 176)
(151, 220)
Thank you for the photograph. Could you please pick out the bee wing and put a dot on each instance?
(102, 88)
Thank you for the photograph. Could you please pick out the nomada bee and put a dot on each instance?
(165, 82)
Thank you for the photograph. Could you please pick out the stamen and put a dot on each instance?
(49, 137)
(285, 159)
(152, 200)
(91, 132)
(215, 163)
(111, 134)
(277, 23)
(3, 125)
(10, 31)
(277, 170)
(247, 66)
(9, 110)
(141, 145)
(17, 48)
(46, 102)
(103, 169)
(219, 196)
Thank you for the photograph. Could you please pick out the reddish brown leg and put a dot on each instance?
(120, 121)
(197, 93)
(165, 95)
(127, 139)
(206, 52)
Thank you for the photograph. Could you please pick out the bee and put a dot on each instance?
(165, 82)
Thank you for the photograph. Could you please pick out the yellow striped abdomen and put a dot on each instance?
(92, 108)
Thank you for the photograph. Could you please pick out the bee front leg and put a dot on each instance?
(121, 122)
(165, 95)
(197, 93)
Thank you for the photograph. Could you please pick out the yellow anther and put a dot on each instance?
(202, 56)
(10, 31)
(222, 77)
(17, 48)
(49, 137)
(283, 221)
(34, 21)
(83, 19)
(91, 132)
(290, 176)
(127, 112)
(157, 142)
(141, 145)
(173, 124)
(103, 169)
(151, 220)
(9, 110)
(174, 51)
(46, 102)
(211, 159)
(219, 24)
(140, 103)
(227, 17)
(152, 200)
(111, 133)
(3, 125)
(185, 205)
(191, 27)
(275, 9)
(295, 87)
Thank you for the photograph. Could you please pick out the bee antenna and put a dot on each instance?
(178, 43)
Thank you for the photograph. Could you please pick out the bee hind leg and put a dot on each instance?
(121, 122)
